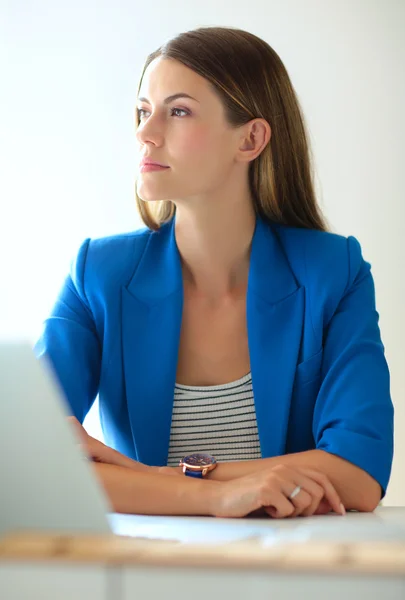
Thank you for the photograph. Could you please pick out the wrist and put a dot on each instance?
(167, 470)
(212, 497)
(198, 464)
(213, 474)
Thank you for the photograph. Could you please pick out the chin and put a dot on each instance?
(148, 196)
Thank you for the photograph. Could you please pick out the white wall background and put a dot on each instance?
(68, 79)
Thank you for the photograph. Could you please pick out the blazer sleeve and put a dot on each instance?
(69, 343)
(353, 416)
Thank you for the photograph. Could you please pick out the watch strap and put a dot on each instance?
(190, 473)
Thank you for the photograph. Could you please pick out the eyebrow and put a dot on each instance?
(171, 98)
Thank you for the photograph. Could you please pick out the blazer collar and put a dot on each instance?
(152, 305)
(159, 272)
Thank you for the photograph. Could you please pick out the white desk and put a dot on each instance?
(354, 557)
(386, 523)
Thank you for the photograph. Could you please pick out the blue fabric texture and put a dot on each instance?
(319, 374)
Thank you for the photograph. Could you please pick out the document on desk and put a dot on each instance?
(185, 529)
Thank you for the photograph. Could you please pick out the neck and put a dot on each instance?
(214, 247)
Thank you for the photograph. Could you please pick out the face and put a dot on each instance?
(190, 136)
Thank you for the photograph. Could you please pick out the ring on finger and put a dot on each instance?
(295, 492)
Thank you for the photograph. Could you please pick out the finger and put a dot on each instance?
(301, 500)
(330, 492)
(277, 505)
(310, 495)
(74, 421)
(315, 492)
(80, 430)
(289, 479)
(316, 484)
(320, 508)
(324, 508)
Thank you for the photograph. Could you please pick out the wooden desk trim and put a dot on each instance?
(376, 558)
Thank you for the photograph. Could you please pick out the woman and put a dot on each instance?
(234, 324)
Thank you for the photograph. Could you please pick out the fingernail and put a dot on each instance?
(342, 509)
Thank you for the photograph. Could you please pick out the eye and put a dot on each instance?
(140, 110)
(180, 110)
(174, 110)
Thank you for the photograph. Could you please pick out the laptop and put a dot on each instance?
(48, 484)
(46, 481)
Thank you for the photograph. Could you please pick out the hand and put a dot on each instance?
(99, 452)
(270, 489)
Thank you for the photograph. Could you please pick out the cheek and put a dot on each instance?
(200, 158)
(195, 143)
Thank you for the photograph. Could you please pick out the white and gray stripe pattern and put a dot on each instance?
(216, 419)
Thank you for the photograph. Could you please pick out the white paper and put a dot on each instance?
(182, 529)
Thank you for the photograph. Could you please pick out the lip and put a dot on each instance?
(147, 162)
(150, 167)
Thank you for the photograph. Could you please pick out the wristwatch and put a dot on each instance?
(198, 465)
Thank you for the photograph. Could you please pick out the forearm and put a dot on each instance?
(356, 488)
(141, 492)
(114, 457)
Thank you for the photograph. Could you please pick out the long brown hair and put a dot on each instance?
(252, 82)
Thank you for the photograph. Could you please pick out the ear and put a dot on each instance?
(255, 137)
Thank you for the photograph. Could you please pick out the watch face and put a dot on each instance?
(199, 460)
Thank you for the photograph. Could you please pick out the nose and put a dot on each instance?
(149, 131)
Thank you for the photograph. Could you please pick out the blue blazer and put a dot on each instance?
(319, 374)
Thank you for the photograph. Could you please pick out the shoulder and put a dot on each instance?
(322, 259)
(113, 258)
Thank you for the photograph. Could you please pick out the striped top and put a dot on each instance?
(215, 419)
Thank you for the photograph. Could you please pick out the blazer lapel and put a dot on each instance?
(152, 305)
(275, 311)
